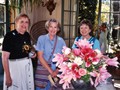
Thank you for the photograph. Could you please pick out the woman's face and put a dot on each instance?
(53, 28)
(84, 30)
(22, 24)
(103, 28)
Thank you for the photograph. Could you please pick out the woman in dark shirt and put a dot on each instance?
(15, 51)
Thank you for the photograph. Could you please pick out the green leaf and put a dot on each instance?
(86, 78)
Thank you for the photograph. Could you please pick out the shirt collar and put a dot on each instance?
(49, 38)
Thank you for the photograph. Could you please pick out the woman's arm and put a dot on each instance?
(5, 57)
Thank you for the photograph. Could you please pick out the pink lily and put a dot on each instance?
(63, 68)
(59, 58)
(99, 54)
(100, 76)
(83, 43)
(112, 62)
(65, 79)
(66, 50)
(76, 51)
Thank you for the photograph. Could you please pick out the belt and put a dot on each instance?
(19, 59)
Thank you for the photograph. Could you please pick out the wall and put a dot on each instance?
(41, 13)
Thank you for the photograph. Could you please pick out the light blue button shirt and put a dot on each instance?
(46, 45)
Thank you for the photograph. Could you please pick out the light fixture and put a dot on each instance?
(50, 4)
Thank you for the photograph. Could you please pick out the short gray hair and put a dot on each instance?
(47, 24)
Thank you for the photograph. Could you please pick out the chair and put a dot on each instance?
(37, 29)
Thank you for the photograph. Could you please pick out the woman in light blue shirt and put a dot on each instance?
(47, 46)
(85, 28)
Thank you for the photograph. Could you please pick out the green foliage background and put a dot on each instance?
(87, 10)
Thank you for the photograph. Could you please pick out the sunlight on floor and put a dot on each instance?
(116, 84)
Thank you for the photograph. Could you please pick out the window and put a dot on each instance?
(14, 11)
(7, 16)
(2, 1)
(110, 13)
(2, 21)
(69, 21)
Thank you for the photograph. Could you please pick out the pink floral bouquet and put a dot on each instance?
(83, 63)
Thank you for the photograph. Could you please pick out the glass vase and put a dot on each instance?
(81, 85)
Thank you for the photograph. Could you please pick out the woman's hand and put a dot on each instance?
(32, 54)
(54, 74)
(8, 81)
